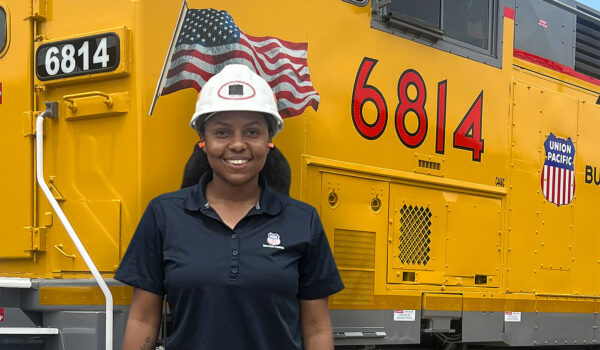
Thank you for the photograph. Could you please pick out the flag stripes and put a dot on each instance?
(558, 185)
(209, 40)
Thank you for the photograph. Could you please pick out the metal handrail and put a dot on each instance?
(39, 136)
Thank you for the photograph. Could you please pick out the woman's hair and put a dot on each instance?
(276, 171)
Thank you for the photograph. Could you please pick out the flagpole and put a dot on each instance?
(168, 58)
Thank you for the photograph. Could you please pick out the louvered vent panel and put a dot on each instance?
(415, 230)
(359, 288)
(354, 253)
(354, 249)
(587, 48)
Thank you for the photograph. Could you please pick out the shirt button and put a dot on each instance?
(234, 236)
(234, 270)
(235, 252)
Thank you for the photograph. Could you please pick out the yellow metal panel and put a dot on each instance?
(442, 302)
(557, 236)
(419, 226)
(98, 223)
(586, 241)
(16, 153)
(482, 302)
(550, 304)
(525, 197)
(520, 302)
(553, 281)
(474, 237)
(94, 104)
(355, 210)
(83, 295)
(559, 116)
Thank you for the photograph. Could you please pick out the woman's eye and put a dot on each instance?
(253, 132)
(221, 133)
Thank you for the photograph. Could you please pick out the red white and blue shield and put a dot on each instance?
(273, 238)
(558, 176)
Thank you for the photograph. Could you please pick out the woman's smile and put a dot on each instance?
(236, 146)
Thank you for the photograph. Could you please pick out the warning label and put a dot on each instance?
(512, 316)
(404, 315)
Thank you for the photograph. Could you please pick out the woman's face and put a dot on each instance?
(236, 146)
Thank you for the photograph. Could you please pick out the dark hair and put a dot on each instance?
(276, 171)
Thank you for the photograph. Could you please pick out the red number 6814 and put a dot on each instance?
(467, 135)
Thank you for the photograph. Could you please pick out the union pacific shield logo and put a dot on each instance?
(558, 176)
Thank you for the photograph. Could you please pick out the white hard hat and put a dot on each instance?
(237, 88)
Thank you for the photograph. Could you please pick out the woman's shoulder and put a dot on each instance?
(171, 198)
(290, 203)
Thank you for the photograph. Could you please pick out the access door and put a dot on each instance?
(16, 152)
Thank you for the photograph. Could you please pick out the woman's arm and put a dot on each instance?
(144, 321)
(316, 325)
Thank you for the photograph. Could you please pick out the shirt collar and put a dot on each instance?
(270, 201)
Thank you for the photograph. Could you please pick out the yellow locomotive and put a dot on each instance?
(450, 147)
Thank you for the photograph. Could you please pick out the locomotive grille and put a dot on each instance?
(415, 229)
(587, 47)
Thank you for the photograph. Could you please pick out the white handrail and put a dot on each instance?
(39, 135)
(15, 282)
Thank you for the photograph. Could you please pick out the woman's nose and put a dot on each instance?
(237, 142)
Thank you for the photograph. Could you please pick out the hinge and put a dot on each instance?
(28, 124)
(39, 88)
(39, 10)
(38, 238)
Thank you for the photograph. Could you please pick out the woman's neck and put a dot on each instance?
(218, 190)
(232, 202)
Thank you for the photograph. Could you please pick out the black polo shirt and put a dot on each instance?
(231, 288)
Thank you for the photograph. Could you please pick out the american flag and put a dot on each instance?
(209, 39)
(558, 176)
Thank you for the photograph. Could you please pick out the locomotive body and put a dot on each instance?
(451, 154)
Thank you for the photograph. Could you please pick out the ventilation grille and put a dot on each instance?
(587, 47)
(358, 288)
(354, 253)
(429, 165)
(415, 229)
(354, 249)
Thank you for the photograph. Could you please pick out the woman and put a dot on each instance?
(243, 266)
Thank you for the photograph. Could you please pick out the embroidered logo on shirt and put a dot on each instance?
(273, 241)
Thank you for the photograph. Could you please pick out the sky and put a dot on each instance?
(591, 3)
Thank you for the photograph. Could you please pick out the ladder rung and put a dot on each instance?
(27, 330)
